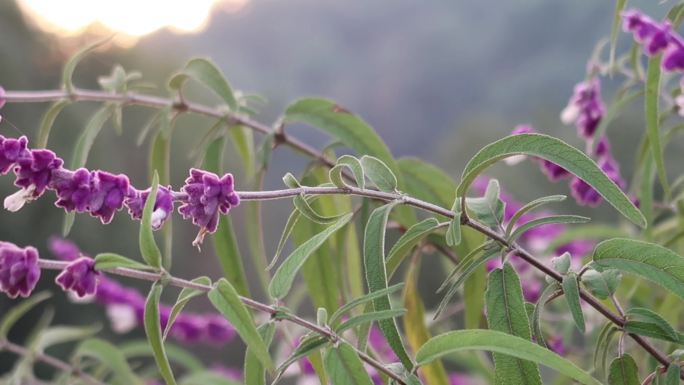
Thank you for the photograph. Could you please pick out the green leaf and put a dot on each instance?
(489, 209)
(284, 277)
(108, 261)
(672, 375)
(70, 66)
(538, 308)
(499, 342)
(111, 356)
(647, 260)
(209, 75)
(564, 219)
(601, 284)
(302, 204)
(87, 138)
(603, 343)
(160, 157)
(572, 297)
(615, 29)
(207, 377)
(562, 263)
(427, 182)
(224, 240)
(226, 300)
(344, 367)
(11, 316)
(154, 333)
(253, 372)
(369, 318)
(412, 237)
(558, 152)
(141, 348)
(148, 246)
(351, 163)
(652, 100)
(376, 276)
(289, 226)
(56, 335)
(506, 313)
(655, 320)
(307, 346)
(377, 171)
(363, 300)
(529, 207)
(350, 129)
(453, 233)
(623, 371)
(183, 298)
(243, 141)
(48, 121)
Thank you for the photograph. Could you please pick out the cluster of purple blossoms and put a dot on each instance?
(125, 307)
(585, 109)
(19, 270)
(102, 194)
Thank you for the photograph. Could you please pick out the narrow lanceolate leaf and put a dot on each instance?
(572, 297)
(254, 372)
(652, 101)
(377, 171)
(307, 345)
(302, 204)
(454, 231)
(87, 138)
(70, 66)
(412, 237)
(362, 301)
(183, 298)
(243, 142)
(415, 327)
(210, 76)
(499, 342)
(506, 313)
(538, 308)
(376, 276)
(529, 207)
(112, 357)
(289, 226)
(647, 260)
(623, 371)
(662, 329)
(366, 318)
(344, 367)
(11, 316)
(672, 374)
(552, 219)
(48, 121)
(284, 277)
(558, 152)
(160, 157)
(351, 163)
(107, 261)
(350, 129)
(148, 246)
(154, 334)
(226, 300)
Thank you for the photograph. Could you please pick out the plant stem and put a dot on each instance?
(49, 360)
(256, 305)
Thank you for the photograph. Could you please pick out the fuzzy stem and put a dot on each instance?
(256, 305)
(49, 360)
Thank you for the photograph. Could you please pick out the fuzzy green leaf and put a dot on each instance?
(344, 367)
(623, 371)
(154, 334)
(148, 246)
(208, 74)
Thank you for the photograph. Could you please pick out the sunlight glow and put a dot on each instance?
(132, 18)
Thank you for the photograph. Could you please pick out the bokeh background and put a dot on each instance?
(437, 80)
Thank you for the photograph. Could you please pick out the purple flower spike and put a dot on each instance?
(189, 328)
(19, 271)
(79, 276)
(585, 108)
(10, 151)
(162, 207)
(73, 189)
(107, 195)
(585, 194)
(35, 171)
(207, 196)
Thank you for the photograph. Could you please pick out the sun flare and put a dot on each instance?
(132, 18)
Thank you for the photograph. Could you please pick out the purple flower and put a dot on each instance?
(189, 328)
(653, 35)
(73, 189)
(10, 150)
(219, 330)
(459, 379)
(79, 276)
(585, 194)
(64, 249)
(585, 108)
(207, 196)
(107, 195)
(34, 171)
(19, 271)
(162, 207)
(673, 58)
(553, 171)
(556, 344)
(577, 248)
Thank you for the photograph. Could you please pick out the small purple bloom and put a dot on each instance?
(73, 189)
(577, 248)
(207, 196)
(19, 270)
(556, 344)
(673, 58)
(585, 194)
(10, 150)
(64, 249)
(35, 170)
(653, 35)
(79, 276)
(553, 171)
(107, 195)
(163, 206)
(585, 108)
(189, 328)
(219, 330)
